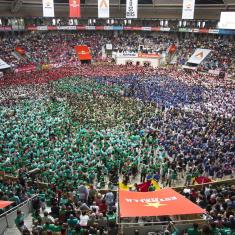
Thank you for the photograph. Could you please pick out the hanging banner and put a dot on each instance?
(103, 8)
(131, 9)
(48, 8)
(74, 8)
(198, 56)
(188, 9)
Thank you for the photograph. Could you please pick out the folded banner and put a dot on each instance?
(103, 8)
(131, 9)
(188, 9)
(74, 8)
(48, 8)
(4, 65)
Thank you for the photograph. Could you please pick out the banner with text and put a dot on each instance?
(103, 8)
(48, 8)
(74, 8)
(131, 9)
(188, 9)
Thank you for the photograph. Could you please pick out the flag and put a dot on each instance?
(202, 180)
(155, 184)
(144, 186)
(103, 8)
(188, 10)
(131, 9)
(124, 186)
(48, 8)
(74, 8)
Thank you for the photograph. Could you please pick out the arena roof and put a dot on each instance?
(205, 9)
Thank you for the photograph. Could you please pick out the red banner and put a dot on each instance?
(74, 8)
(20, 50)
(4, 204)
(83, 52)
(26, 69)
(158, 203)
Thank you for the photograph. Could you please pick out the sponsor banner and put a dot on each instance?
(143, 55)
(185, 30)
(131, 9)
(199, 55)
(5, 28)
(90, 27)
(81, 27)
(26, 69)
(203, 30)
(99, 27)
(4, 65)
(42, 28)
(127, 54)
(74, 9)
(165, 29)
(48, 8)
(195, 30)
(213, 31)
(157, 203)
(108, 27)
(155, 28)
(51, 27)
(127, 27)
(228, 32)
(70, 27)
(117, 27)
(103, 8)
(188, 9)
(146, 28)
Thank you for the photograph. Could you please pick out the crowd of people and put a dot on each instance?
(55, 48)
(101, 125)
(82, 129)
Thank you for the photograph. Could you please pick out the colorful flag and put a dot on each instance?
(48, 8)
(74, 8)
(103, 8)
(124, 186)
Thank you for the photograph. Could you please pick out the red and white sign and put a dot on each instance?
(25, 69)
(143, 55)
(74, 9)
(158, 203)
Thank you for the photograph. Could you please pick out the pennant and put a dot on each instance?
(103, 8)
(188, 10)
(48, 8)
(74, 9)
(131, 9)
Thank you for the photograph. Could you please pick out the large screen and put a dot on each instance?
(227, 20)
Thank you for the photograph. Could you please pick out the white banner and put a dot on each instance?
(188, 9)
(4, 65)
(103, 8)
(198, 56)
(48, 8)
(131, 9)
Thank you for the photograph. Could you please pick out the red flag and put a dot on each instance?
(144, 186)
(202, 180)
(74, 6)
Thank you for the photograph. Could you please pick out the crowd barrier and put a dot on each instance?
(7, 219)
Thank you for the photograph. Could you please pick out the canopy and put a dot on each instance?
(158, 203)
(4, 204)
